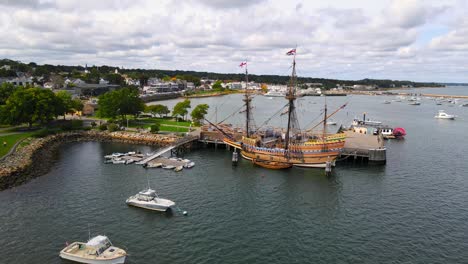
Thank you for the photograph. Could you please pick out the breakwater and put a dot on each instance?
(35, 158)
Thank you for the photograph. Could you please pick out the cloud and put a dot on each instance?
(230, 3)
(378, 40)
(26, 3)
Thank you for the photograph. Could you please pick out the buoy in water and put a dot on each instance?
(184, 212)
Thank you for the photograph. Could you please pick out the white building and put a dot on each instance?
(163, 87)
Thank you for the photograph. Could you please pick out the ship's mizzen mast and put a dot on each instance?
(325, 126)
(293, 124)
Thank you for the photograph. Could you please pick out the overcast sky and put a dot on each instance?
(421, 40)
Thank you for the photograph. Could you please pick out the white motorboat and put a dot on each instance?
(415, 103)
(97, 250)
(119, 161)
(148, 199)
(387, 132)
(387, 102)
(275, 94)
(154, 165)
(189, 165)
(168, 167)
(443, 115)
(331, 123)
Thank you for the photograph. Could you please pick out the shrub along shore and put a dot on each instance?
(35, 158)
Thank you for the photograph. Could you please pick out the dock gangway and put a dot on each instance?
(161, 151)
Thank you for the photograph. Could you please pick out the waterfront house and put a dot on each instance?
(21, 81)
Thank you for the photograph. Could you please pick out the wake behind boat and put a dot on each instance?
(97, 250)
(148, 199)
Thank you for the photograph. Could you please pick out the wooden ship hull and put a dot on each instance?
(313, 154)
(274, 165)
(309, 159)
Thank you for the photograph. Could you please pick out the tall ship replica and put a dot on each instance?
(292, 147)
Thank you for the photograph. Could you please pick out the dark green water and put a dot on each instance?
(413, 210)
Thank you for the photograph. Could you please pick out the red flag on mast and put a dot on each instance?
(291, 52)
(243, 64)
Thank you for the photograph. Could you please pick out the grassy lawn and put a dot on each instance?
(172, 128)
(11, 140)
(166, 124)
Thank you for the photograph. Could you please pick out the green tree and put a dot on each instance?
(158, 109)
(121, 102)
(93, 76)
(199, 112)
(217, 86)
(77, 105)
(6, 89)
(155, 128)
(64, 103)
(114, 78)
(29, 106)
(181, 108)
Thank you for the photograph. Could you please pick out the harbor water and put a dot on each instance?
(414, 209)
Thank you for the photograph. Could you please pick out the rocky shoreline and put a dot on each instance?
(35, 159)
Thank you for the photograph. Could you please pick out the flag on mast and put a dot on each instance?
(243, 64)
(291, 52)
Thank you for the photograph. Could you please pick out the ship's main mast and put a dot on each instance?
(291, 97)
(247, 99)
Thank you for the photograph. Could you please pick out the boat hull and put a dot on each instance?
(272, 165)
(117, 260)
(149, 206)
(309, 161)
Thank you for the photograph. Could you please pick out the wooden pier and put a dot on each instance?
(365, 147)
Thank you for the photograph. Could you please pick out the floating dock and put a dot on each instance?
(167, 162)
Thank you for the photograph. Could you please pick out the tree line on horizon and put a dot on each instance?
(96, 72)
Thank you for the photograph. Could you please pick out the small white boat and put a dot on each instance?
(275, 94)
(189, 165)
(148, 199)
(131, 153)
(443, 115)
(331, 123)
(178, 168)
(415, 103)
(118, 161)
(387, 102)
(168, 167)
(154, 165)
(97, 250)
(387, 132)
